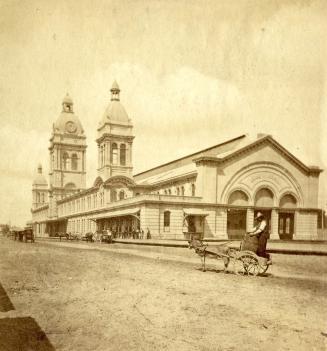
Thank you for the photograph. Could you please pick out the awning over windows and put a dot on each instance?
(127, 212)
(195, 212)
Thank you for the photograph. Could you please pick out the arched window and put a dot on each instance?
(121, 195)
(74, 162)
(114, 154)
(38, 198)
(264, 198)
(123, 154)
(43, 198)
(166, 221)
(183, 191)
(287, 201)
(169, 192)
(101, 156)
(177, 191)
(238, 198)
(113, 195)
(193, 189)
(65, 158)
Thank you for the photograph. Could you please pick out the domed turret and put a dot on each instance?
(115, 139)
(115, 111)
(40, 178)
(68, 122)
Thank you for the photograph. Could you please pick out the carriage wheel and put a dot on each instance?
(263, 265)
(239, 267)
(263, 268)
(251, 264)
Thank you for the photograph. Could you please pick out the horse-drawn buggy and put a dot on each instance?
(24, 235)
(245, 259)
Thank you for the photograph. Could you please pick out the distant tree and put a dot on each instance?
(5, 229)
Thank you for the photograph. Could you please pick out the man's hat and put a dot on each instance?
(259, 215)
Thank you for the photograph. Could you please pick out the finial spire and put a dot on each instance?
(67, 104)
(115, 91)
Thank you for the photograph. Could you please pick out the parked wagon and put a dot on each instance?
(24, 235)
(245, 260)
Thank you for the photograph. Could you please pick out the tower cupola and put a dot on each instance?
(115, 91)
(67, 104)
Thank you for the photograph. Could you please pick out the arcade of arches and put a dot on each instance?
(241, 212)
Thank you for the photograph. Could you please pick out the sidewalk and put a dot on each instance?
(279, 247)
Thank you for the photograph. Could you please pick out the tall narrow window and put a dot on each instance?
(177, 191)
(121, 195)
(166, 221)
(65, 158)
(183, 191)
(74, 162)
(193, 189)
(113, 195)
(123, 154)
(114, 154)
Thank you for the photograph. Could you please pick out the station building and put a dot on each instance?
(214, 192)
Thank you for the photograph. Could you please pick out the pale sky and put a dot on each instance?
(192, 74)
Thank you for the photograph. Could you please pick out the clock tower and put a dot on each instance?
(67, 153)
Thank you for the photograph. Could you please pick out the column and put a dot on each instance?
(99, 156)
(249, 219)
(274, 225)
(107, 161)
(129, 153)
(221, 223)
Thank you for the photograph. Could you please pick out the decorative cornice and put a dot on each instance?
(109, 137)
(313, 170)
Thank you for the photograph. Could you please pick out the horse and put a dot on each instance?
(89, 237)
(217, 252)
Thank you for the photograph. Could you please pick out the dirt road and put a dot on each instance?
(64, 298)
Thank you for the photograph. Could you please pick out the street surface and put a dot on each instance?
(79, 296)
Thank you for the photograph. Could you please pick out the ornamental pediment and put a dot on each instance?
(120, 181)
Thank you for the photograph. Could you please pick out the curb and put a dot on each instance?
(183, 245)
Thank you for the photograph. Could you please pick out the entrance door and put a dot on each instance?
(236, 223)
(286, 226)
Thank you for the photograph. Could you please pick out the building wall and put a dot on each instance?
(273, 170)
(306, 226)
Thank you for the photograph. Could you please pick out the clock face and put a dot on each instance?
(71, 127)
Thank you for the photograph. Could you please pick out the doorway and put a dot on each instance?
(286, 226)
(236, 223)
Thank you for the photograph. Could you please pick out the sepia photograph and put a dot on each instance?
(163, 175)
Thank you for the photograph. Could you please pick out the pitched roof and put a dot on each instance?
(224, 157)
(214, 150)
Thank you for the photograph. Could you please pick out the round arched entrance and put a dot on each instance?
(236, 214)
(263, 202)
(287, 205)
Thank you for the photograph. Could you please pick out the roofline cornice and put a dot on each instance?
(267, 139)
(193, 154)
(118, 136)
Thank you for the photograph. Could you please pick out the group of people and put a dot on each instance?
(133, 233)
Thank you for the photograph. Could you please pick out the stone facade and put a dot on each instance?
(215, 192)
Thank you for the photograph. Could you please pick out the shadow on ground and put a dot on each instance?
(22, 334)
(5, 303)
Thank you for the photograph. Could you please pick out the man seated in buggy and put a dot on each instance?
(257, 238)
